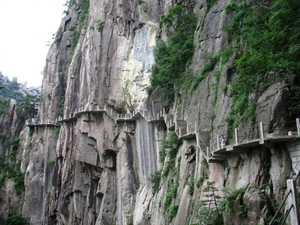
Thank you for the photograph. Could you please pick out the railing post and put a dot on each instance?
(298, 126)
(261, 133)
(293, 202)
(218, 143)
(152, 104)
(207, 153)
(236, 136)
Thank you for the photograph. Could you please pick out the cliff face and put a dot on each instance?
(93, 156)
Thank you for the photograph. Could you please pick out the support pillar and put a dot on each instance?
(261, 133)
(208, 155)
(236, 136)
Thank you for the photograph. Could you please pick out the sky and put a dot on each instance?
(26, 30)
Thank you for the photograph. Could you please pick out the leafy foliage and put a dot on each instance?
(295, 106)
(13, 219)
(100, 26)
(173, 212)
(204, 166)
(267, 37)
(85, 5)
(13, 143)
(191, 187)
(171, 193)
(210, 3)
(61, 104)
(207, 216)
(228, 200)
(11, 90)
(4, 106)
(155, 179)
(169, 148)
(9, 168)
(174, 57)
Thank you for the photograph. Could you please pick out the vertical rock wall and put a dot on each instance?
(94, 167)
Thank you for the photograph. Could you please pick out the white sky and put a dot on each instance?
(26, 26)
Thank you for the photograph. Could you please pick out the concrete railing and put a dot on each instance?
(30, 121)
(291, 200)
(261, 133)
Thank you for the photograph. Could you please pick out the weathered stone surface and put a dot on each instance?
(96, 169)
(272, 107)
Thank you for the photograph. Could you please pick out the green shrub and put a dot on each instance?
(51, 162)
(14, 219)
(210, 3)
(201, 179)
(191, 187)
(74, 38)
(207, 67)
(57, 130)
(267, 38)
(72, 28)
(171, 193)
(100, 26)
(174, 57)
(13, 143)
(155, 179)
(12, 171)
(227, 202)
(295, 96)
(207, 216)
(4, 106)
(173, 212)
(19, 182)
(169, 148)
(140, 2)
(61, 104)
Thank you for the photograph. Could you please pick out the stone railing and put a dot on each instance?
(249, 137)
(32, 122)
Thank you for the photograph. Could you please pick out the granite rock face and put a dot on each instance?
(96, 144)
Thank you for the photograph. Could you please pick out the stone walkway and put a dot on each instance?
(244, 139)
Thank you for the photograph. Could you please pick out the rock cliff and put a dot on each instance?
(104, 151)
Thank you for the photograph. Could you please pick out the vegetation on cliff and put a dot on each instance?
(84, 7)
(266, 39)
(25, 99)
(10, 168)
(13, 219)
(173, 57)
(16, 105)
